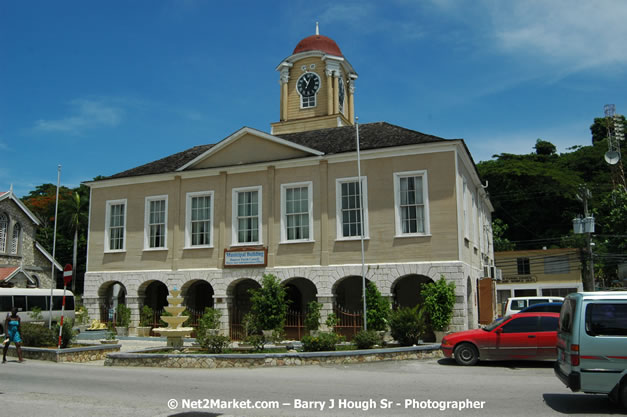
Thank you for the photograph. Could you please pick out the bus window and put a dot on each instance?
(19, 302)
(38, 301)
(69, 303)
(6, 304)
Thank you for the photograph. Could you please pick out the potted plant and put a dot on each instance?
(145, 319)
(439, 301)
(268, 305)
(110, 336)
(312, 320)
(123, 320)
(35, 316)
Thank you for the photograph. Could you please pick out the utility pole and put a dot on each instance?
(586, 225)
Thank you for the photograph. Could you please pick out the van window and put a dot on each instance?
(538, 301)
(566, 315)
(6, 304)
(57, 302)
(518, 305)
(606, 319)
(38, 301)
(19, 301)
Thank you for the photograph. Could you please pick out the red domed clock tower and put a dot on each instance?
(317, 86)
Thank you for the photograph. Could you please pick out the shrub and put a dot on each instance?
(82, 315)
(215, 343)
(210, 320)
(123, 316)
(377, 308)
(332, 321)
(325, 341)
(439, 299)
(312, 320)
(145, 317)
(268, 304)
(35, 335)
(35, 314)
(407, 324)
(67, 333)
(257, 341)
(366, 339)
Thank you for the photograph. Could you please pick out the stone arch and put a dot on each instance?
(300, 291)
(154, 294)
(406, 290)
(239, 304)
(348, 292)
(110, 295)
(197, 294)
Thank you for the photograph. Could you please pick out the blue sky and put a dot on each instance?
(101, 87)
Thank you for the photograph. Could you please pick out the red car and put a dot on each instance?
(531, 336)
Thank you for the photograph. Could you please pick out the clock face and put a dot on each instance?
(308, 84)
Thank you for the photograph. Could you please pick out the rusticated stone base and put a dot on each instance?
(79, 354)
(271, 359)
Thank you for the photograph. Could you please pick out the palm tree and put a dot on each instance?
(74, 210)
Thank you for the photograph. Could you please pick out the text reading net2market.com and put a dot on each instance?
(322, 405)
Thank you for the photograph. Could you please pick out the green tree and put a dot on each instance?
(439, 299)
(377, 308)
(501, 243)
(268, 304)
(544, 148)
(74, 211)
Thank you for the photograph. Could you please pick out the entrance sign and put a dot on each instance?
(245, 257)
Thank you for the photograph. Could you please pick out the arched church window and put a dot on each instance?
(4, 228)
(15, 239)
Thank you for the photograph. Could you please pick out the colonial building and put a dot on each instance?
(528, 273)
(23, 261)
(212, 219)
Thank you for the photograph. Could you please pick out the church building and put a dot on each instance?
(213, 219)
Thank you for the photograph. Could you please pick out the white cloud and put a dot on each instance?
(86, 114)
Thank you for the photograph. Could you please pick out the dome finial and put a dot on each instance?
(317, 30)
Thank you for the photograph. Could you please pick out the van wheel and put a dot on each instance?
(466, 354)
(623, 394)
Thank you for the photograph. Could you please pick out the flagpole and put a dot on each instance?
(54, 246)
(363, 227)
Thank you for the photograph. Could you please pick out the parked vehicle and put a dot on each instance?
(516, 304)
(26, 299)
(530, 336)
(543, 308)
(592, 344)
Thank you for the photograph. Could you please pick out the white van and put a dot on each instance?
(592, 344)
(515, 304)
(27, 299)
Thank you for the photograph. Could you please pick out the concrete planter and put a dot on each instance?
(121, 330)
(143, 331)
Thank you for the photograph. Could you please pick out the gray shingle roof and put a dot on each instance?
(329, 141)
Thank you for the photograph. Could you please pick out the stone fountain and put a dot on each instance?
(173, 332)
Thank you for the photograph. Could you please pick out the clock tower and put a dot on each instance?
(317, 87)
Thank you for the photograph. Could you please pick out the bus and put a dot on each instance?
(25, 299)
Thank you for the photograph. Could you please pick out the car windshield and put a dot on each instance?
(496, 323)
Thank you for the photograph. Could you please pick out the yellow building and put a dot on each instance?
(528, 273)
(211, 220)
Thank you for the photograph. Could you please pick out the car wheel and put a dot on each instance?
(466, 354)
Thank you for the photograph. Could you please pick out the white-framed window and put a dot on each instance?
(297, 212)
(115, 226)
(4, 231)
(247, 216)
(15, 239)
(199, 220)
(348, 208)
(411, 203)
(156, 222)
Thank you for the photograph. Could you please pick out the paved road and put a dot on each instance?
(38, 388)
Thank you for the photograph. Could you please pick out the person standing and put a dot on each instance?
(12, 324)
